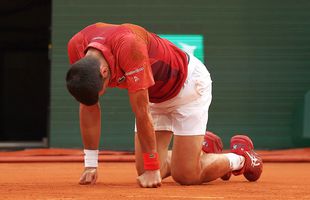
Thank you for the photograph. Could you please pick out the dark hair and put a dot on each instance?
(84, 80)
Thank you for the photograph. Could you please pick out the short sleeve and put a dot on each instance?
(133, 59)
(75, 48)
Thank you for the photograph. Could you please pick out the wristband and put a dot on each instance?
(151, 161)
(91, 158)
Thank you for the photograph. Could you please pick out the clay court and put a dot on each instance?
(54, 174)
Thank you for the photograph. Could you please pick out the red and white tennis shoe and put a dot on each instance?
(213, 144)
(253, 164)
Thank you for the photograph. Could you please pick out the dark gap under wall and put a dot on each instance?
(24, 70)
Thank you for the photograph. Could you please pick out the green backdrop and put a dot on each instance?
(257, 53)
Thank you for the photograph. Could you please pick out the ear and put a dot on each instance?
(104, 71)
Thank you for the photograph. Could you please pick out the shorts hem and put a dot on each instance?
(188, 134)
(162, 129)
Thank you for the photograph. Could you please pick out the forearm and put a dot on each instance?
(146, 133)
(140, 106)
(90, 125)
(147, 139)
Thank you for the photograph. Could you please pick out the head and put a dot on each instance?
(85, 80)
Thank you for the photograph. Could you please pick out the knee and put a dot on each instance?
(185, 178)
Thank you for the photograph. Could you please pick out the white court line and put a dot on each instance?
(174, 197)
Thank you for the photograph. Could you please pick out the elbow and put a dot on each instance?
(90, 108)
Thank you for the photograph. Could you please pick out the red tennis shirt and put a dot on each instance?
(137, 58)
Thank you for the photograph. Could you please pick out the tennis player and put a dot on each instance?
(169, 93)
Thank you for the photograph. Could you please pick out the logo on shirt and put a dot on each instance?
(98, 38)
(136, 79)
(134, 71)
(121, 79)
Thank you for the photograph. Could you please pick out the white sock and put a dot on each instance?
(236, 161)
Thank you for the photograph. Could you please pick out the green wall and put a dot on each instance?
(257, 52)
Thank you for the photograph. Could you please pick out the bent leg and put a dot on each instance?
(189, 166)
(163, 139)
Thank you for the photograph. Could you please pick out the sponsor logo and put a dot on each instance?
(136, 79)
(205, 143)
(121, 79)
(236, 146)
(98, 38)
(134, 71)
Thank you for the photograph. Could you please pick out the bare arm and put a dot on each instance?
(90, 121)
(140, 105)
(90, 124)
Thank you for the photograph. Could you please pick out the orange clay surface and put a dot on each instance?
(58, 181)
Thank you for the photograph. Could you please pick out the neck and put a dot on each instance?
(98, 55)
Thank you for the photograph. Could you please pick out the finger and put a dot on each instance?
(154, 185)
(144, 184)
(94, 178)
(151, 184)
(82, 179)
(88, 178)
(83, 182)
(158, 184)
(139, 181)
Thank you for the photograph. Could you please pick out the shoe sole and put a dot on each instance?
(250, 176)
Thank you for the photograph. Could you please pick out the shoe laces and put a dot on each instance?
(254, 160)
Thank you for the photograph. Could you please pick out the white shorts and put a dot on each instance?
(187, 113)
